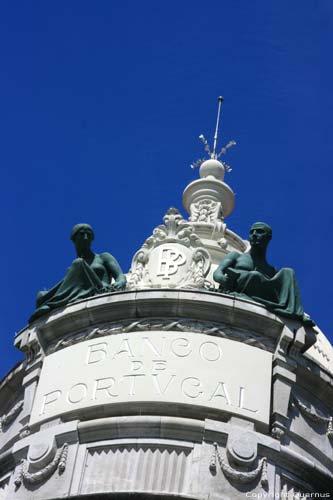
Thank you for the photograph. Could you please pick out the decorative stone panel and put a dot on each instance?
(139, 468)
(174, 256)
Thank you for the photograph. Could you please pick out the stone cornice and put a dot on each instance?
(203, 306)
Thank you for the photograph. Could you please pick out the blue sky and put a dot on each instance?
(101, 107)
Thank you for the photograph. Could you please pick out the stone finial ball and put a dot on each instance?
(212, 168)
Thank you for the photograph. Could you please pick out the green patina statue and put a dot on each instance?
(249, 275)
(90, 274)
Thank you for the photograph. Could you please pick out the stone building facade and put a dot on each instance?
(168, 389)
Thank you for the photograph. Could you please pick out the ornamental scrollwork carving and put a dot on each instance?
(11, 415)
(206, 211)
(312, 415)
(138, 277)
(199, 268)
(170, 324)
(172, 257)
(175, 229)
(59, 462)
(236, 475)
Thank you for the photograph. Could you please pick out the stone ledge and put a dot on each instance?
(140, 427)
(203, 306)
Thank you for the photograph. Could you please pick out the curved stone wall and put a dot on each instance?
(181, 393)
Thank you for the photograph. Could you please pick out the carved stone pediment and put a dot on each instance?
(173, 257)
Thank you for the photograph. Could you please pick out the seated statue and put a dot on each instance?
(88, 275)
(249, 275)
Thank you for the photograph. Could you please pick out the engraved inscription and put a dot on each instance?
(49, 398)
(186, 368)
(77, 393)
(104, 385)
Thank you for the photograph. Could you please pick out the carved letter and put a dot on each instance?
(161, 391)
(133, 377)
(182, 343)
(77, 388)
(169, 261)
(126, 349)
(136, 365)
(49, 398)
(210, 351)
(221, 391)
(155, 351)
(241, 400)
(191, 382)
(96, 353)
(159, 365)
(104, 384)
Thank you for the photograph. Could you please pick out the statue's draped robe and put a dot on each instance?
(80, 282)
(279, 294)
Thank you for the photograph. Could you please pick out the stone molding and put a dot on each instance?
(209, 189)
(300, 465)
(11, 415)
(133, 305)
(153, 427)
(284, 378)
(322, 352)
(172, 324)
(169, 431)
(14, 374)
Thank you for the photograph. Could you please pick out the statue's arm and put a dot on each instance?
(220, 273)
(114, 269)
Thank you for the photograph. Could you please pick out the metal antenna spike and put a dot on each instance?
(220, 100)
(212, 154)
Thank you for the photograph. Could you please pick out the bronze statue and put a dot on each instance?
(89, 274)
(249, 275)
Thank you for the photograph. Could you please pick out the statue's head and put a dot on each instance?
(82, 235)
(260, 234)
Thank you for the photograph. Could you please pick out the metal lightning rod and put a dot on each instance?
(220, 100)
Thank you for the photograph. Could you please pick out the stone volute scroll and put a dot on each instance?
(173, 257)
(89, 274)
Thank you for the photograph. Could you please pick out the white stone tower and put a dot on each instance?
(169, 389)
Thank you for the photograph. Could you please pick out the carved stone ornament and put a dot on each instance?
(206, 211)
(311, 414)
(59, 462)
(11, 415)
(235, 475)
(173, 257)
(277, 432)
(164, 324)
